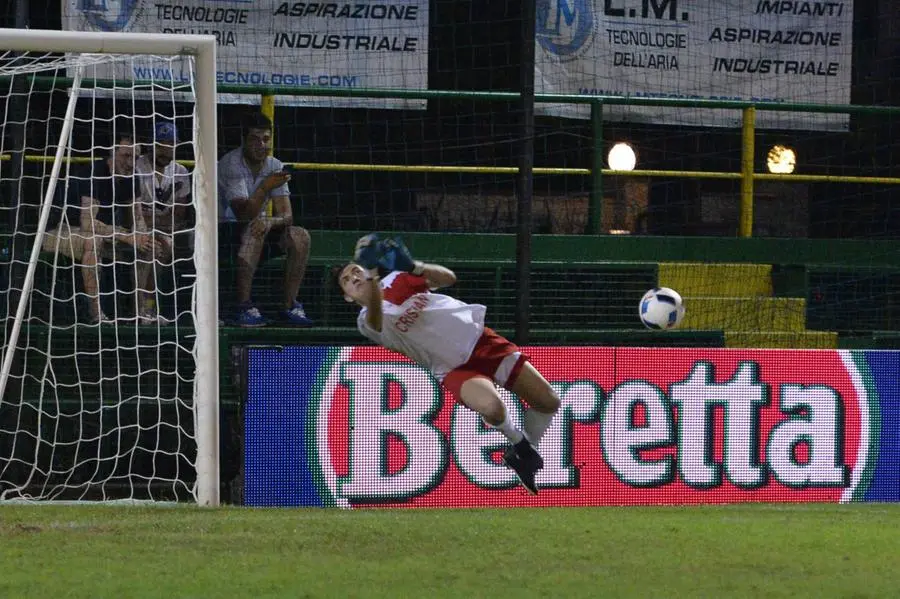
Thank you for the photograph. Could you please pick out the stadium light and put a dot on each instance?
(781, 160)
(621, 157)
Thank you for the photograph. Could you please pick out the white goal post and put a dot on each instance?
(202, 50)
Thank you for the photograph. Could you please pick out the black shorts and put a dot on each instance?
(230, 242)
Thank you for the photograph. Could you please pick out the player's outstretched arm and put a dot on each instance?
(436, 276)
(366, 257)
(373, 301)
(396, 256)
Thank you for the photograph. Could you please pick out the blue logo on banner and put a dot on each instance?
(563, 27)
(108, 15)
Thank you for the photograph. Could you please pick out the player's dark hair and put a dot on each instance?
(334, 278)
(254, 120)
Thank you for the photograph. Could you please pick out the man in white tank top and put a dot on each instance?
(448, 337)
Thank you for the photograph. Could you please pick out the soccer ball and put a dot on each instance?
(661, 308)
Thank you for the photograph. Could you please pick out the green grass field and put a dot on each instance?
(729, 551)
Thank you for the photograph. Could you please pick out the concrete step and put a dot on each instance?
(782, 339)
(717, 280)
(745, 314)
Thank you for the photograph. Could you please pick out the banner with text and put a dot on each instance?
(364, 426)
(749, 50)
(292, 44)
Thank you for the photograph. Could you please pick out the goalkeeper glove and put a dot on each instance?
(368, 251)
(396, 256)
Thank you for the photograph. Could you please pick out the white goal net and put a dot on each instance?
(107, 272)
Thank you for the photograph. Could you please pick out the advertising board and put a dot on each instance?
(361, 426)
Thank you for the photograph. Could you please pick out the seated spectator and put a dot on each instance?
(165, 188)
(90, 227)
(254, 200)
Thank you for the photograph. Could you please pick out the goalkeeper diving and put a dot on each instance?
(449, 338)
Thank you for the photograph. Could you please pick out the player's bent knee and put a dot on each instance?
(479, 394)
(534, 389)
(546, 400)
(494, 414)
(553, 401)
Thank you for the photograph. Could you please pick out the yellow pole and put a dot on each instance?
(747, 151)
(267, 107)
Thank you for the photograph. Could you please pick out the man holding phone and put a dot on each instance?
(255, 209)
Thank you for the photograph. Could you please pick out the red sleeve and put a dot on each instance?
(403, 286)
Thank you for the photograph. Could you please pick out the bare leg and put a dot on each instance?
(244, 275)
(89, 277)
(248, 257)
(146, 270)
(141, 274)
(480, 394)
(146, 282)
(296, 243)
(533, 389)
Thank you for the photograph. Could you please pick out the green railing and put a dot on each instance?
(747, 174)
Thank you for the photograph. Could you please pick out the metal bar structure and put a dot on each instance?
(267, 107)
(538, 170)
(747, 176)
(433, 94)
(525, 176)
(595, 203)
(203, 48)
(748, 125)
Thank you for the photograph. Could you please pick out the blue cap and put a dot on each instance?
(164, 131)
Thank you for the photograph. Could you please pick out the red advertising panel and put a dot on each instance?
(636, 426)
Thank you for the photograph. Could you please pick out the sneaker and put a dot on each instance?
(525, 461)
(101, 319)
(250, 317)
(296, 316)
(151, 317)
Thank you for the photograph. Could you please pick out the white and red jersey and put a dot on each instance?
(439, 332)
